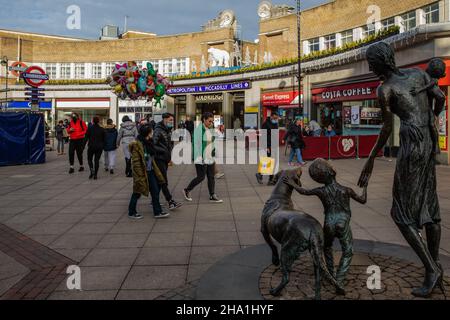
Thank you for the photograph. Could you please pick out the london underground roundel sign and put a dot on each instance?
(35, 76)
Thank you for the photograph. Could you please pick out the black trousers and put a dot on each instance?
(163, 167)
(94, 154)
(202, 171)
(78, 147)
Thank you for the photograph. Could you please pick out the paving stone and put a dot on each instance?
(170, 239)
(143, 277)
(163, 256)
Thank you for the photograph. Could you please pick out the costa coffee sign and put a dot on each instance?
(360, 91)
(278, 98)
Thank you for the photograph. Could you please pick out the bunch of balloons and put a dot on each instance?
(129, 81)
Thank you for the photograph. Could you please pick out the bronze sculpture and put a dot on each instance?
(295, 231)
(336, 202)
(415, 202)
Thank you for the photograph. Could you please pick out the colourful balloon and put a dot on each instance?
(160, 90)
(151, 71)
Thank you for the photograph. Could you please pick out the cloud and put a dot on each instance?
(163, 17)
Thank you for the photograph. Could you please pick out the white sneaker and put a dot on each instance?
(214, 198)
(219, 175)
(186, 195)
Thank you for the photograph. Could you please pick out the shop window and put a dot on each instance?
(409, 20)
(331, 114)
(361, 117)
(432, 13)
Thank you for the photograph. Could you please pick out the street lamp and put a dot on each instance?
(4, 62)
(299, 76)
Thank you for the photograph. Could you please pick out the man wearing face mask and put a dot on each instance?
(162, 141)
(270, 124)
(77, 131)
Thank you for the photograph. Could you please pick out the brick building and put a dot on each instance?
(250, 96)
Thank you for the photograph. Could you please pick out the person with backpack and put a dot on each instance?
(95, 137)
(294, 137)
(110, 146)
(162, 141)
(77, 131)
(127, 134)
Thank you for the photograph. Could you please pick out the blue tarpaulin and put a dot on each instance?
(22, 138)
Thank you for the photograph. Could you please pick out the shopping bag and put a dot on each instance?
(266, 166)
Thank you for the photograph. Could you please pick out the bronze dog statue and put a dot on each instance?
(296, 232)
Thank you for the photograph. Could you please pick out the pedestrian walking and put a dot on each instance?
(189, 125)
(147, 178)
(294, 138)
(110, 146)
(95, 137)
(162, 141)
(60, 132)
(77, 131)
(127, 134)
(269, 125)
(66, 126)
(204, 154)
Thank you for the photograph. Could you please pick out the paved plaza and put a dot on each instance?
(50, 219)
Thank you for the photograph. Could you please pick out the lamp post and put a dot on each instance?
(4, 62)
(299, 76)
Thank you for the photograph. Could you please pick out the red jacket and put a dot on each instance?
(80, 129)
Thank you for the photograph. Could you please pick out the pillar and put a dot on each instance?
(190, 106)
(227, 110)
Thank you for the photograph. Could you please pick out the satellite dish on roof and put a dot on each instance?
(264, 10)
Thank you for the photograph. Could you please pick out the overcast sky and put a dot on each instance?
(158, 16)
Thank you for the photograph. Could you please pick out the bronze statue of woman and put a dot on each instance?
(415, 201)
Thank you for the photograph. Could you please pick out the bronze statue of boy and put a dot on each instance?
(336, 202)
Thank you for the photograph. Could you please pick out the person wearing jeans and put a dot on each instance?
(294, 137)
(110, 146)
(204, 154)
(147, 177)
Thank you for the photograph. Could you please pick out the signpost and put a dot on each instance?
(34, 76)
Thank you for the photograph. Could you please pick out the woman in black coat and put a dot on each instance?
(95, 137)
(294, 137)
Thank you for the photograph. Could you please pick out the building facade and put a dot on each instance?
(337, 89)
